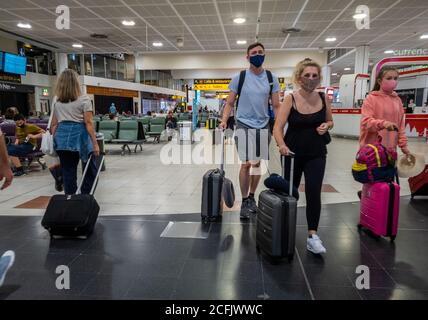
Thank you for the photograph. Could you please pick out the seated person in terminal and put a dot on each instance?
(171, 122)
(26, 142)
(9, 116)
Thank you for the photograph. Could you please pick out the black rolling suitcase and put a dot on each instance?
(276, 221)
(212, 190)
(73, 215)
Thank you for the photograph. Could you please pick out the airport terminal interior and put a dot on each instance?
(141, 63)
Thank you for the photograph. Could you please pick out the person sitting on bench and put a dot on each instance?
(25, 143)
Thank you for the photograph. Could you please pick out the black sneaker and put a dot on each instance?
(19, 173)
(245, 210)
(59, 186)
(252, 205)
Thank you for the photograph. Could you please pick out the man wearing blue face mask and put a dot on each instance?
(253, 87)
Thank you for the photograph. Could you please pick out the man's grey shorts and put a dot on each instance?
(252, 144)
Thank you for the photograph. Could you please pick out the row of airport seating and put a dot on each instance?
(131, 132)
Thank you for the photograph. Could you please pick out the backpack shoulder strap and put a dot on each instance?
(270, 79)
(240, 85)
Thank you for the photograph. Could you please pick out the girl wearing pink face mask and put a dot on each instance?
(382, 113)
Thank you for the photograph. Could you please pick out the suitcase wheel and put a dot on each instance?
(392, 238)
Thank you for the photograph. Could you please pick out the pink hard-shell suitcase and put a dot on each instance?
(379, 211)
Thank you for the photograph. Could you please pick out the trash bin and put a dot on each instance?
(101, 145)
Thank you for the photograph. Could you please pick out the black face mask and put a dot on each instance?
(309, 85)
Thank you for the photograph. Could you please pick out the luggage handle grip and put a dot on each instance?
(291, 181)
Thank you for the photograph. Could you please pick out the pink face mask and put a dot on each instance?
(389, 85)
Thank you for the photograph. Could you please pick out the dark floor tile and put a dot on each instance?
(415, 278)
(287, 291)
(220, 290)
(170, 248)
(282, 273)
(124, 250)
(148, 287)
(162, 268)
(150, 232)
(241, 270)
(114, 287)
(11, 244)
(70, 245)
(394, 294)
(42, 262)
(335, 293)
(202, 269)
(35, 283)
(206, 251)
(378, 278)
(92, 263)
(327, 275)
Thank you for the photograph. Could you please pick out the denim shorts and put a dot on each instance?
(20, 150)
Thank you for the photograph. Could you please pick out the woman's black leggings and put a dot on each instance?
(314, 169)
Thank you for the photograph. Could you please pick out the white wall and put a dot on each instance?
(117, 84)
(39, 81)
(8, 45)
(221, 61)
(413, 82)
(212, 104)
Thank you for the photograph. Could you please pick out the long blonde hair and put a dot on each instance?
(68, 86)
(300, 67)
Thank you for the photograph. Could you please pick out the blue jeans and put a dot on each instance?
(20, 150)
(69, 161)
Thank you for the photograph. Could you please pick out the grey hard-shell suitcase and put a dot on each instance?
(276, 221)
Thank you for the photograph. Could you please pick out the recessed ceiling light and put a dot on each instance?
(347, 69)
(359, 16)
(128, 23)
(239, 20)
(77, 45)
(157, 44)
(424, 36)
(389, 51)
(24, 25)
(334, 74)
(241, 42)
(331, 39)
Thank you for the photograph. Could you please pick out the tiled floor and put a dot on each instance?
(127, 259)
(140, 184)
(139, 196)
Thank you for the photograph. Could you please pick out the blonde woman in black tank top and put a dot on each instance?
(309, 118)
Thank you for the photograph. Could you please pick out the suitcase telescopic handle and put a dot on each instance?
(291, 181)
(222, 150)
(79, 190)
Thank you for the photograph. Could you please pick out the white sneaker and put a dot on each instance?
(6, 261)
(314, 245)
